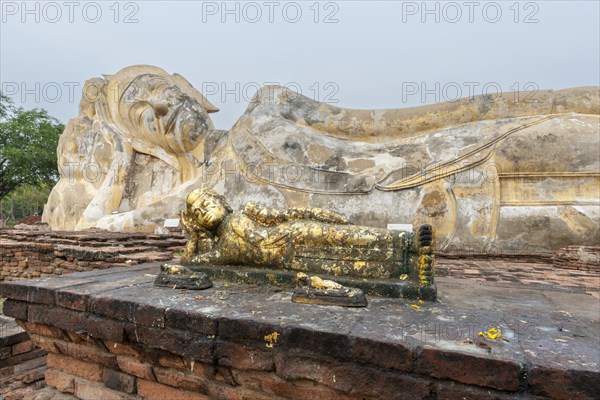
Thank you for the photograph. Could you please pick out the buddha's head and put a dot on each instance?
(161, 114)
(207, 207)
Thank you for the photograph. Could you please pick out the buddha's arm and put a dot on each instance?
(264, 215)
(315, 214)
(270, 217)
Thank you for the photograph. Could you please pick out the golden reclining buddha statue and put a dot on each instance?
(308, 240)
(508, 172)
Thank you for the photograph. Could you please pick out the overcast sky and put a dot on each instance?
(357, 54)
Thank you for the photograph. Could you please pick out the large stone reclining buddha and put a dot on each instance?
(515, 172)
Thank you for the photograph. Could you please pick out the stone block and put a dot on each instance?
(398, 355)
(88, 353)
(122, 349)
(105, 328)
(155, 391)
(244, 357)
(15, 309)
(469, 368)
(75, 367)
(74, 321)
(564, 384)
(180, 379)
(22, 347)
(87, 390)
(456, 391)
(182, 319)
(135, 367)
(118, 381)
(42, 329)
(61, 381)
(182, 343)
(270, 383)
(352, 379)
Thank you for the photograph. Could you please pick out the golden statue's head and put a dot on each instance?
(207, 207)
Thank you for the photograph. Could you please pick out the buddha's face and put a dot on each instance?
(160, 112)
(208, 211)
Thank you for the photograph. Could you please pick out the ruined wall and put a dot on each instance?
(22, 365)
(580, 258)
(32, 254)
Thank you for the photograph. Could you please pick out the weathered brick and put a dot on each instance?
(468, 368)
(457, 391)
(23, 357)
(223, 374)
(20, 291)
(382, 354)
(105, 328)
(180, 379)
(22, 347)
(42, 329)
(15, 309)
(352, 379)
(44, 343)
(244, 357)
(74, 321)
(113, 308)
(165, 359)
(135, 367)
(118, 381)
(85, 352)
(6, 371)
(217, 390)
(270, 383)
(123, 349)
(13, 339)
(145, 314)
(198, 368)
(25, 375)
(83, 338)
(156, 391)
(75, 367)
(61, 381)
(182, 319)
(321, 343)
(182, 343)
(87, 390)
(32, 363)
(5, 352)
(247, 331)
(564, 384)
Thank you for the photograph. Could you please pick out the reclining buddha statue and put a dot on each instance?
(512, 172)
(307, 240)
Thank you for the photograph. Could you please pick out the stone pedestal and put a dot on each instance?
(111, 334)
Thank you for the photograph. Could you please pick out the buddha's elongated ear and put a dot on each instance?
(188, 89)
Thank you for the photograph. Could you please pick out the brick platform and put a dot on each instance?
(112, 335)
(28, 254)
(535, 275)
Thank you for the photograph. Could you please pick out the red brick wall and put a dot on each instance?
(32, 254)
(581, 258)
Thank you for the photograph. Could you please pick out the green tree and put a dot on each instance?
(28, 142)
(25, 201)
